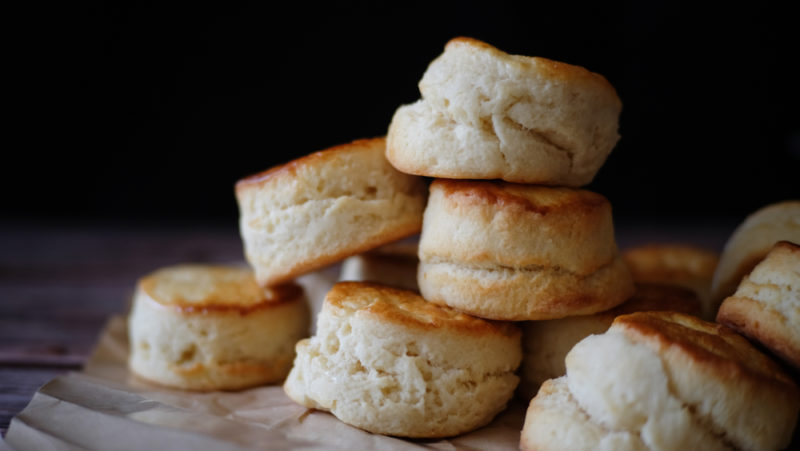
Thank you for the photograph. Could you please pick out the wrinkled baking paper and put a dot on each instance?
(104, 407)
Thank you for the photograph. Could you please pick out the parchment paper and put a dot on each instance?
(104, 407)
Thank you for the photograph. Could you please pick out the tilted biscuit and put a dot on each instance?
(520, 252)
(766, 306)
(751, 241)
(203, 327)
(485, 114)
(676, 264)
(387, 361)
(324, 207)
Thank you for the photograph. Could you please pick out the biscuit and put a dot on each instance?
(676, 264)
(394, 265)
(324, 207)
(520, 252)
(200, 327)
(676, 382)
(387, 361)
(485, 114)
(766, 306)
(545, 344)
(751, 241)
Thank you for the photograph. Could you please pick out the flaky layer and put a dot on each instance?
(485, 114)
(325, 207)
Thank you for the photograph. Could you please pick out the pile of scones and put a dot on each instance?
(514, 287)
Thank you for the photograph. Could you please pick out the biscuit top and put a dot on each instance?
(533, 65)
(711, 346)
(202, 288)
(408, 309)
(321, 157)
(670, 261)
(537, 199)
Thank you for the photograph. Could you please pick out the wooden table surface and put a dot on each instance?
(60, 283)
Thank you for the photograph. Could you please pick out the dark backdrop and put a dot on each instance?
(153, 112)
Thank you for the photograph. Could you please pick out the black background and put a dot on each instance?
(152, 112)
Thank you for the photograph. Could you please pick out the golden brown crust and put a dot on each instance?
(546, 67)
(290, 293)
(529, 198)
(291, 168)
(409, 309)
(224, 290)
(714, 347)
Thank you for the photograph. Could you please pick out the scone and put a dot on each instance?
(485, 114)
(664, 380)
(766, 306)
(200, 327)
(324, 207)
(676, 264)
(545, 344)
(751, 241)
(387, 361)
(520, 252)
(394, 265)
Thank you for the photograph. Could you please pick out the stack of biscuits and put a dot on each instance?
(531, 245)
(515, 267)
